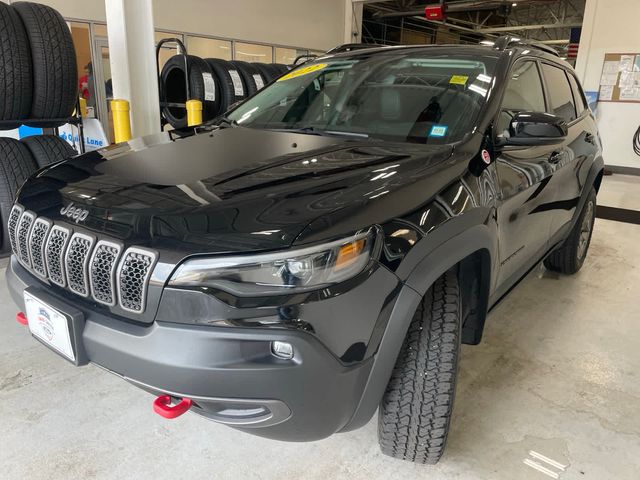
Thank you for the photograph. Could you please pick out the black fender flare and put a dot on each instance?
(440, 257)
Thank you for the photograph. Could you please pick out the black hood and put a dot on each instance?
(229, 190)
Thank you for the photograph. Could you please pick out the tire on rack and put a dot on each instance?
(55, 74)
(569, 257)
(415, 412)
(268, 72)
(48, 149)
(16, 165)
(16, 79)
(230, 82)
(202, 86)
(281, 68)
(251, 76)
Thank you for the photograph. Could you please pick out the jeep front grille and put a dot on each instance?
(36, 246)
(74, 260)
(133, 276)
(102, 266)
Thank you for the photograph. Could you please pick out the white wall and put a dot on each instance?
(313, 24)
(611, 26)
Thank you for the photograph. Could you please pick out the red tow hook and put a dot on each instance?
(162, 406)
(22, 318)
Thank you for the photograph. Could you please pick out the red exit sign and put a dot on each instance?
(434, 12)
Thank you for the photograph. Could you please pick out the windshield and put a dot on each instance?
(408, 96)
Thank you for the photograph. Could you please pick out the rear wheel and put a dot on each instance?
(415, 413)
(569, 257)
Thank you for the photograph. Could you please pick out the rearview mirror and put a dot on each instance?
(529, 129)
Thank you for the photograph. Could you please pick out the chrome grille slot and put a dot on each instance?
(37, 240)
(22, 237)
(133, 277)
(76, 261)
(12, 225)
(54, 254)
(102, 272)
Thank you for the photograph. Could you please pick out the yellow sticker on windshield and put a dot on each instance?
(298, 72)
(459, 79)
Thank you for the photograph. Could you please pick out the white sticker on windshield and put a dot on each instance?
(258, 79)
(238, 88)
(209, 87)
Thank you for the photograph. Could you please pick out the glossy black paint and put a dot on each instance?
(239, 190)
(530, 129)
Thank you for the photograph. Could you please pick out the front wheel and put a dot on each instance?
(415, 413)
(570, 256)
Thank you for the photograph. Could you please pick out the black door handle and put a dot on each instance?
(589, 137)
(555, 157)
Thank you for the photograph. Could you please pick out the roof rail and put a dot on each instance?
(506, 41)
(348, 47)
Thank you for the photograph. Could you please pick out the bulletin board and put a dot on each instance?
(620, 78)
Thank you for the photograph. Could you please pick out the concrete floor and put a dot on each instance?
(557, 374)
(620, 191)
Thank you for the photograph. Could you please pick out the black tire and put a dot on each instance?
(48, 149)
(569, 257)
(174, 89)
(16, 165)
(230, 91)
(415, 413)
(55, 75)
(247, 72)
(16, 79)
(281, 68)
(268, 72)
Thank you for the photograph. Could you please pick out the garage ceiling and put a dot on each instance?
(403, 21)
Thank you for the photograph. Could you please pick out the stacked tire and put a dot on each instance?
(38, 87)
(218, 84)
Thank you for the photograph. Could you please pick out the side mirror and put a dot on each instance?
(529, 129)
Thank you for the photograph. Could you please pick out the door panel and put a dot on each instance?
(524, 217)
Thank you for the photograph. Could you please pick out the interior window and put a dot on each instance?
(560, 94)
(523, 94)
(581, 104)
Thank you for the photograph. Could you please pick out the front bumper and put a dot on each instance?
(229, 372)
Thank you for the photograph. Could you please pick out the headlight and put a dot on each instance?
(282, 272)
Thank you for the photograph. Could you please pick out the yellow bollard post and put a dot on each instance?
(121, 121)
(194, 112)
(83, 107)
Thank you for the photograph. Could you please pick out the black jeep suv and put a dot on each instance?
(322, 251)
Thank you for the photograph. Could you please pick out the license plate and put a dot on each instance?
(49, 325)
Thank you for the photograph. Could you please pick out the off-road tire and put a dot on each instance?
(16, 165)
(55, 74)
(569, 257)
(16, 80)
(48, 149)
(415, 413)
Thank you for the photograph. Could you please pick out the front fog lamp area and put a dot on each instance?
(282, 272)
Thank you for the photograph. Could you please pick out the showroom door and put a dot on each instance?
(104, 89)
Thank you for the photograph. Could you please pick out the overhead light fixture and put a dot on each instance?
(514, 4)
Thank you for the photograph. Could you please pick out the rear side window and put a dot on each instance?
(578, 96)
(559, 91)
(523, 94)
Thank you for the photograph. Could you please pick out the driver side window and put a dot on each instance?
(523, 94)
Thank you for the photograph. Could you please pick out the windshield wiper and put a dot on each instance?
(310, 130)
